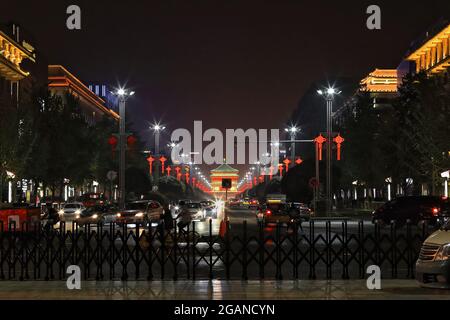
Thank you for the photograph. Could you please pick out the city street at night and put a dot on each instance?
(220, 158)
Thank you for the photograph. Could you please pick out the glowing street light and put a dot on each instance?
(292, 130)
(329, 94)
(123, 95)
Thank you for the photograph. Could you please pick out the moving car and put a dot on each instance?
(141, 212)
(417, 209)
(301, 210)
(71, 211)
(97, 215)
(195, 209)
(276, 210)
(210, 208)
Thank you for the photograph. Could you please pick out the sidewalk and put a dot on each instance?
(218, 290)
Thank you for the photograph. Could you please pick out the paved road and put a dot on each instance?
(219, 290)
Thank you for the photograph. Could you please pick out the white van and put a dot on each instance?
(433, 266)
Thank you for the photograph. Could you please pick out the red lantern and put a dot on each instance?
(163, 160)
(339, 140)
(320, 140)
(112, 141)
(131, 141)
(280, 168)
(287, 162)
(150, 160)
(299, 161)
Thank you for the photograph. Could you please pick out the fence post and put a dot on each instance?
(112, 237)
(244, 253)
(150, 257)
(99, 238)
(262, 244)
(278, 275)
(124, 252)
(345, 249)
(227, 251)
(362, 258)
(193, 250)
(137, 244)
(295, 247)
(328, 247)
(312, 263)
(393, 248)
(188, 244)
(174, 249)
(211, 243)
(163, 253)
(409, 249)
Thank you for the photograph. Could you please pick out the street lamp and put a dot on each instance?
(157, 128)
(329, 94)
(123, 96)
(292, 132)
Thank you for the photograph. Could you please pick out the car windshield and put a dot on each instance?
(136, 206)
(72, 206)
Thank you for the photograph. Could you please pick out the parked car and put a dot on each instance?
(141, 212)
(71, 211)
(98, 214)
(417, 209)
(195, 209)
(433, 265)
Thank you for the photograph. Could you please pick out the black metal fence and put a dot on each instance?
(314, 250)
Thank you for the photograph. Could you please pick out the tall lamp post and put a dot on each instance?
(292, 133)
(157, 129)
(123, 95)
(329, 94)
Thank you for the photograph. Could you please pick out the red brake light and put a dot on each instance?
(435, 211)
(268, 212)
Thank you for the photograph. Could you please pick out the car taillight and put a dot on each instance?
(435, 211)
(268, 212)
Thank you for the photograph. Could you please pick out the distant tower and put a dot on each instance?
(224, 171)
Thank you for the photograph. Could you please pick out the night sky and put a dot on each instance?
(229, 63)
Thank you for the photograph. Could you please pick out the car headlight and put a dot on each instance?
(139, 215)
(95, 216)
(77, 216)
(443, 253)
(77, 212)
(61, 212)
(118, 215)
(177, 208)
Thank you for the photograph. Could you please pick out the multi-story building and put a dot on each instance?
(106, 93)
(62, 82)
(13, 53)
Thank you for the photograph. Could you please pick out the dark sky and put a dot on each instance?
(229, 63)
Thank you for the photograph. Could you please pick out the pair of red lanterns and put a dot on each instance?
(113, 141)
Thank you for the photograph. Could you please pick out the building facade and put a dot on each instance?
(224, 171)
(62, 82)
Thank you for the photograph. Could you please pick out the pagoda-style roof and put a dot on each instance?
(224, 168)
(11, 56)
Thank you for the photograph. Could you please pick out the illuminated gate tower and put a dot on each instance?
(224, 171)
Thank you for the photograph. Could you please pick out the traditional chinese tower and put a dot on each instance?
(224, 171)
